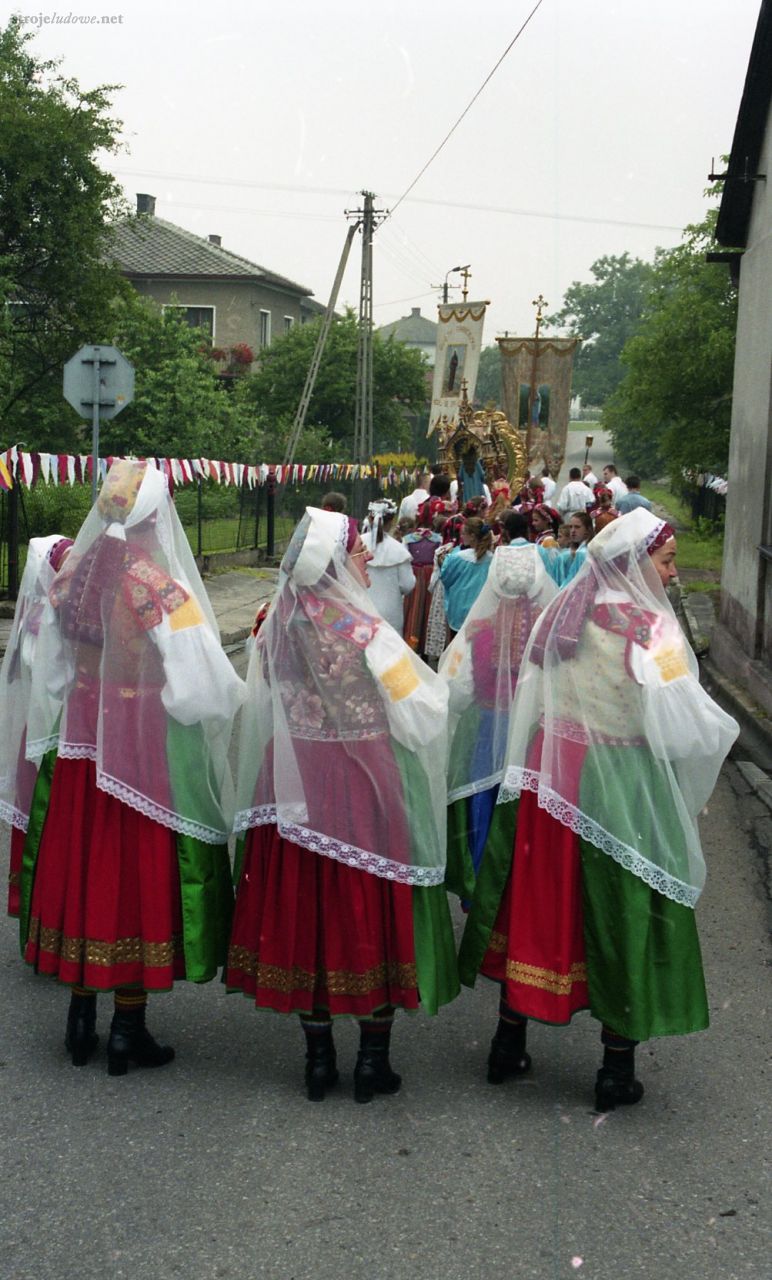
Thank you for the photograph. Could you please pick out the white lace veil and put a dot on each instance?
(17, 775)
(343, 734)
(482, 665)
(120, 665)
(610, 726)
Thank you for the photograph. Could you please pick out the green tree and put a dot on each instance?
(671, 414)
(488, 387)
(399, 386)
(181, 407)
(56, 207)
(604, 315)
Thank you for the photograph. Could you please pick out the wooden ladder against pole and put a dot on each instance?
(316, 359)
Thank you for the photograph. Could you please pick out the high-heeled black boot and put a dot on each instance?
(80, 1039)
(130, 1041)
(508, 1057)
(615, 1083)
(373, 1073)
(321, 1068)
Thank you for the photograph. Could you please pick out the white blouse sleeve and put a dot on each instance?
(457, 672)
(406, 578)
(416, 700)
(59, 671)
(682, 723)
(200, 683)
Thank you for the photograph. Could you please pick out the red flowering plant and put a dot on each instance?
(241, 354)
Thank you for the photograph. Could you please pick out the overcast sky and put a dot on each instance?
(261, 121)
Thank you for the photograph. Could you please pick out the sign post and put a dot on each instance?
(98, 383)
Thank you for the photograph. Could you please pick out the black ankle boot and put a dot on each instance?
(615, 1087)
(373, 1073)
(508, 1057)
(615, 1083)
(321, 1069)
(130, 1041)
(80, 1039)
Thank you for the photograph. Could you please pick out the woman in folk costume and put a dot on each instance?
(463, 570)
(545, 522)
(340, 905)
(567, 562)
(481, 668)
(614, 749)
(604, 511)
(390, 569)
(45, 557)
(421, 545)
(125, 882)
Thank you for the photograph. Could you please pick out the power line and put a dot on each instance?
(414, 249)
(396, 302)
(469, 105)
(442, 201)
(347, 193)
(544, 213)
(263, 213)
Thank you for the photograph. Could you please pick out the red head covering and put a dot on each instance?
(57, 553)
(353, 533)
(664, 535)
(550, 512)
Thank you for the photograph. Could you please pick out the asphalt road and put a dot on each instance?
(217, 1166)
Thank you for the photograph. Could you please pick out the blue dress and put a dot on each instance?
(463, 577)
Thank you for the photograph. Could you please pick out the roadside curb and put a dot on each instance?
(755, 740)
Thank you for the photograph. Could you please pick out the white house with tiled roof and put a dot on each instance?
(416, 331)
(232, 299)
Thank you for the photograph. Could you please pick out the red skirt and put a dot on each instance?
(312, 933)
(105, 908)
(417, 608)
(536, 947)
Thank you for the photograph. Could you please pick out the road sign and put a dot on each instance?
(114, 381)
(98, 383)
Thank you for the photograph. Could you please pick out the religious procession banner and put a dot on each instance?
(459, 341)
(536, 382)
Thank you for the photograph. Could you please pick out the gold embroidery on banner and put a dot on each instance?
(558, 984)
(14, 879)
(339, 982)
(671, 662)
(400, 680)
(498, 941)
(186, 615)
(154, 955)
(462, 313)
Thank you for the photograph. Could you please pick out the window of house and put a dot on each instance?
(288, 323)
(265, 328)
(196, 317)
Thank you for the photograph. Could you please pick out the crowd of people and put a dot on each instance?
(479, 703)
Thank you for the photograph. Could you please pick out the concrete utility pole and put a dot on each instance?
(363, 413)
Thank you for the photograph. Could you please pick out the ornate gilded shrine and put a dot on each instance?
(496, 443)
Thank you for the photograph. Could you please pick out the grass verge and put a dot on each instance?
(700, 551)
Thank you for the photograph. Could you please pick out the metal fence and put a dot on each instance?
(218, 519)
(706, 504)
